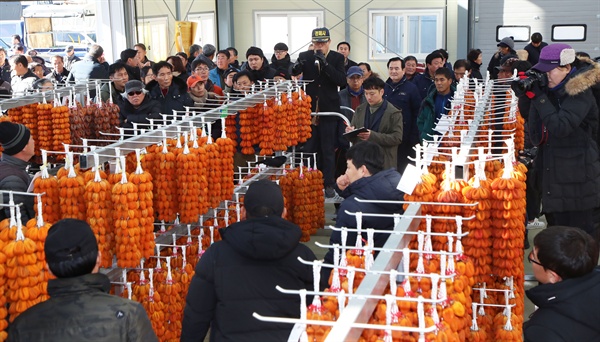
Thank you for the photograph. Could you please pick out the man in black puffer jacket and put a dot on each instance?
(80, 307)
(365, 179)
(258, 65)
(564, 261)
(563, 123)
(137, 106)
(237, 276)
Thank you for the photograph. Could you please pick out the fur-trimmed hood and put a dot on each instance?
(586, 77)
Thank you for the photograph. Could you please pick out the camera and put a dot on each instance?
(533, 76)
(527, 156)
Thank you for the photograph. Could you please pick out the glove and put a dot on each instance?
(297, 68)
(536, 90)
(518, 89)
(319, 56)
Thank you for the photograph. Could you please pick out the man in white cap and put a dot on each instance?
(563, 123)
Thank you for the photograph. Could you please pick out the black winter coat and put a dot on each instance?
(380, 186)
(565, 122)
(237, 276)
(148, 109)
(81, 309)
(405, 96)
(264, 73)
(176, 99)
(323, 89)
(568, 311)
(285, 64)
(495, 62)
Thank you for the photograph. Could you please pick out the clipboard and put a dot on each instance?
(354, 133)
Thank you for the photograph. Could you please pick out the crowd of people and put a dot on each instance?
(559, 97)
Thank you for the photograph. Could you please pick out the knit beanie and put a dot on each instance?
(263, 198)
(256, 51)
(13, 137)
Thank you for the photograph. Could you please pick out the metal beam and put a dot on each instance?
(359, 308)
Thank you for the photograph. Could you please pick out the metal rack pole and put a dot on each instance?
(156, 136)
(360, 308)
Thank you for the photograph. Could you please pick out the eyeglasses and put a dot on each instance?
(136, 92)
(201, 69)
(533, 261)
(279, 52)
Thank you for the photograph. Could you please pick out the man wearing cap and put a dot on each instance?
(202, 70)
(354, 94)
(217, 75)
(281, 61)
(238, 275)
(535, 48)
(80, 306)
(351, 97)
(18, 146)
(325, 71)
(228, 79)
(117, 73)
(405, 96)
(202, 98)
(563, 123)
(136, 106)
(70, 57)
(258, 65)
(505, 47)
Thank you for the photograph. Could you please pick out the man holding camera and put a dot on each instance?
(563, 123)
(325, 69)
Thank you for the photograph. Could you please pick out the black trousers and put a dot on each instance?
(323, 142)
(583, 219)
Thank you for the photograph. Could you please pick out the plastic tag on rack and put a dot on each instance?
(444, 124)
(410, 178)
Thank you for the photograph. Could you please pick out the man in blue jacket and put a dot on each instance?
(366, 179)
(404, 95)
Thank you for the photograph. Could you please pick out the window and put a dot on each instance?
(294, 29)
(519, 33)
(407, 32)
(205, 31)
(153, 32)
(569, 33)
